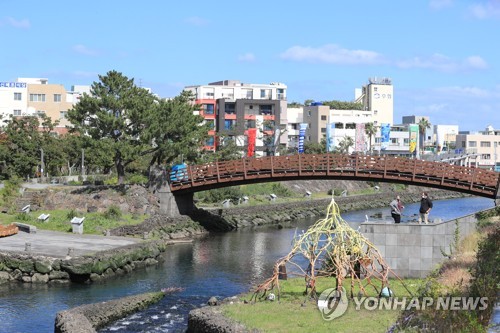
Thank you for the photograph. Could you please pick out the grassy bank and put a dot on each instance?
(59, 220)
(295, 313)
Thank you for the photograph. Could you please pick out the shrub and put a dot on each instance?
(220, 194)
(72, 213)
(113, 213)
(137, 179)
(335, 191)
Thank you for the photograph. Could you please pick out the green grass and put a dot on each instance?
(295, 313)
(94, 223)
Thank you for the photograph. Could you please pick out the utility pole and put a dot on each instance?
(83, 165)
(42, 165)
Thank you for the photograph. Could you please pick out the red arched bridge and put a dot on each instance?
(475, 181)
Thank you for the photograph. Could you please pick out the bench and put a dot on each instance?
(44, 217)
(31, 229)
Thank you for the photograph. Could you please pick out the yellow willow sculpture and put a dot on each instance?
(348, 253)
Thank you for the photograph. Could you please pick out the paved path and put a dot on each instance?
(56, 244)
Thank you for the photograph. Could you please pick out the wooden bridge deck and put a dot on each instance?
(474, 181)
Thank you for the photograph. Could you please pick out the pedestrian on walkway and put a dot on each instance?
(425, 208)
(396, 209)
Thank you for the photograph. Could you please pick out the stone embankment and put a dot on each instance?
(17, 266)
(89, 318)
(210, 319)
(245, 216)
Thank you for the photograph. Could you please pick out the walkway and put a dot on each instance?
(56, 244)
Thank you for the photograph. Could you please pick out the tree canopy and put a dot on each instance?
(127, 122)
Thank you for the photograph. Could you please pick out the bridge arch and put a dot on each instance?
(391, 169)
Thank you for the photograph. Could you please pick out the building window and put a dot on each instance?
(249, 124)
(17, 113)
(323, 129)
(323, 117)
(229, 124)
(309, 113)
(40, 113)
(339, 125)
(350, 126)
(229, 108)
(57, 97)
(486, 156)
(406, 141)
(208, 109)
(266, 109)
(375, 88)
(18, 96)
(394, 141)
(37, 97)
(472, 144)
(63, 114)
(485, 144)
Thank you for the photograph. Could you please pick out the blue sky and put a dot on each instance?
(442, 55)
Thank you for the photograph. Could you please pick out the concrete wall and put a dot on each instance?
(412, 249)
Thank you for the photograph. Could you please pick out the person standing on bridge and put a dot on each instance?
(396, 209)
(425, 208)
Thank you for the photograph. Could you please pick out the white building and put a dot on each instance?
(13, 99)
(378, 97)
(486, 144)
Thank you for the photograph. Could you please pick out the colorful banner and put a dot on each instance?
(330, 131)
(413, 129)
(360, 138)
(252, 135)
(302, 135)
(385, 132)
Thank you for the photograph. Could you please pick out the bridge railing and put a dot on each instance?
(340, 165)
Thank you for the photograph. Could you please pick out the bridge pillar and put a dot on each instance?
(175, 205)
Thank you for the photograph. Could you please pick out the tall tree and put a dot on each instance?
(370, 130)
(24, 143)
(175, 131)
(116, 111)
(423, 125)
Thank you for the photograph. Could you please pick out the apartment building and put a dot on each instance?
(36, 97)
(235, 109)
(486, 144)
(378, 97)
(13, 99)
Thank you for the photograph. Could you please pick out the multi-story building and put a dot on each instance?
(13, 99)
(486, 144)
(378, 97)
(295, 116)
(234, 108)
(36, 97)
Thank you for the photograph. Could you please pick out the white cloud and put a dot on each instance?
(482, 11)
(443, 63)
(465, 92)
(475, 62)
(332, 54)
(247, 57)
(440, 4)
(197, 21)
(23, 24)
(82, 49)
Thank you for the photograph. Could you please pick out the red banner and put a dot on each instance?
(252, 134)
